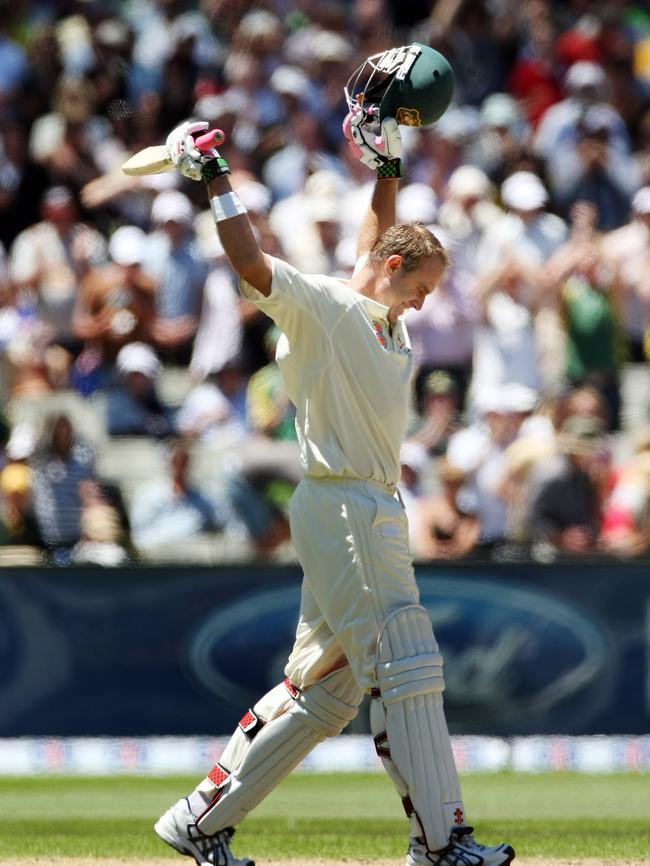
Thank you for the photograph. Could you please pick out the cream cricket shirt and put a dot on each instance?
(346, 374)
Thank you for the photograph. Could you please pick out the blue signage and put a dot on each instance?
(528, 649)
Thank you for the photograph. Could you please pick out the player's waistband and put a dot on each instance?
(356, 484)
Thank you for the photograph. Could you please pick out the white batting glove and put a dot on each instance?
(372, 142)
(186, 158)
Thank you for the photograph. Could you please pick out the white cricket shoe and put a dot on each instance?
(178, 828)
(462, 850)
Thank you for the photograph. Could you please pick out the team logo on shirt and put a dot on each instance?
(379, 333)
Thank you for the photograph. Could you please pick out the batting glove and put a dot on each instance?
(188, 159)
(376, 144)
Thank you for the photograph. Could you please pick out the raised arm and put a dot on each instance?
(380, 214)
(237, 237)
(232, 223)
(379, 146)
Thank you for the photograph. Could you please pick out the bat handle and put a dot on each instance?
(212, 138)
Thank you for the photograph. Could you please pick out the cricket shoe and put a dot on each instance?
(462, 850)
(177, 827)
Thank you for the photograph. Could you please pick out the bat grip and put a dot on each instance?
(210, 139)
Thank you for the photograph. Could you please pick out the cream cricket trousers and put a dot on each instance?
(352, 541)
(359, 607)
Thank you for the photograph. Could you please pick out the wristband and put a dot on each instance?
(226, 206)
(390, 168)
(216, 167)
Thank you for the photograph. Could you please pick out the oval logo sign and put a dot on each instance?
(518, 659)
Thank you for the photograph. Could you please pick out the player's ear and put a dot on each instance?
(393, 263)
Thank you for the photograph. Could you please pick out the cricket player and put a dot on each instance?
(346, 363)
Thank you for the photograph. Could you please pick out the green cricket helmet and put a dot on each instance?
(413, 84)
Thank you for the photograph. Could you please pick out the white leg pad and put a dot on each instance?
(408, 723)
(252, 766)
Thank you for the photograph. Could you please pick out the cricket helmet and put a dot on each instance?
(413, 84)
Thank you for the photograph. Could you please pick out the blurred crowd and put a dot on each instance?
(530, 427)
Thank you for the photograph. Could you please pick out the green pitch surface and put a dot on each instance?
(350, 817)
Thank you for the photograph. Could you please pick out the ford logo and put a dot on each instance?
(518, 659)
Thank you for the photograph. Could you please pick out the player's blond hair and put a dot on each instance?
(412, 242)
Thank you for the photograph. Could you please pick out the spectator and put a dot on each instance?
(479, 453)
(535, 233)
(259, 485)
(295, 221)
(18, 524)
(502, 146)
(100, 542)
(115, 306)
(268, 408)
(133, 407)
(215, 410)
(562, 511)
(505, 349)
(415, 463)
(558, 133)
(173, 259)
(591, 308)
(51, 258)
(305, 152)
(170, 509)
(465, 214)
(628, 250)
(528, 225)
(442, 331)
(60, 465)
(67, 140)
(597, 172)
(444, 530)
(439, 412)
(625, 527)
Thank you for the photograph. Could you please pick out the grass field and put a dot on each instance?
(346, 818)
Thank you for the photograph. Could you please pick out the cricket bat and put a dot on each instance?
(153, 160)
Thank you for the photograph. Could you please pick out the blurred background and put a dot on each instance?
(147, 446)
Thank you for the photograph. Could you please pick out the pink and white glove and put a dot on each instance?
(372, 142)
(187, 158)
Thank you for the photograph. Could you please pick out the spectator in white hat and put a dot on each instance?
(585, 85)
(479, 452)
(557, 135)
(133, 407)
(505, 349)
(594, 170)
(535, 234)
(466, 212)
(173, 258)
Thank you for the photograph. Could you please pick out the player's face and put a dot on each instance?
(408, 289)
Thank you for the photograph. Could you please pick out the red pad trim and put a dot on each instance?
(248, 721)
(375, 693)
(294, 691)
(218, 775)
